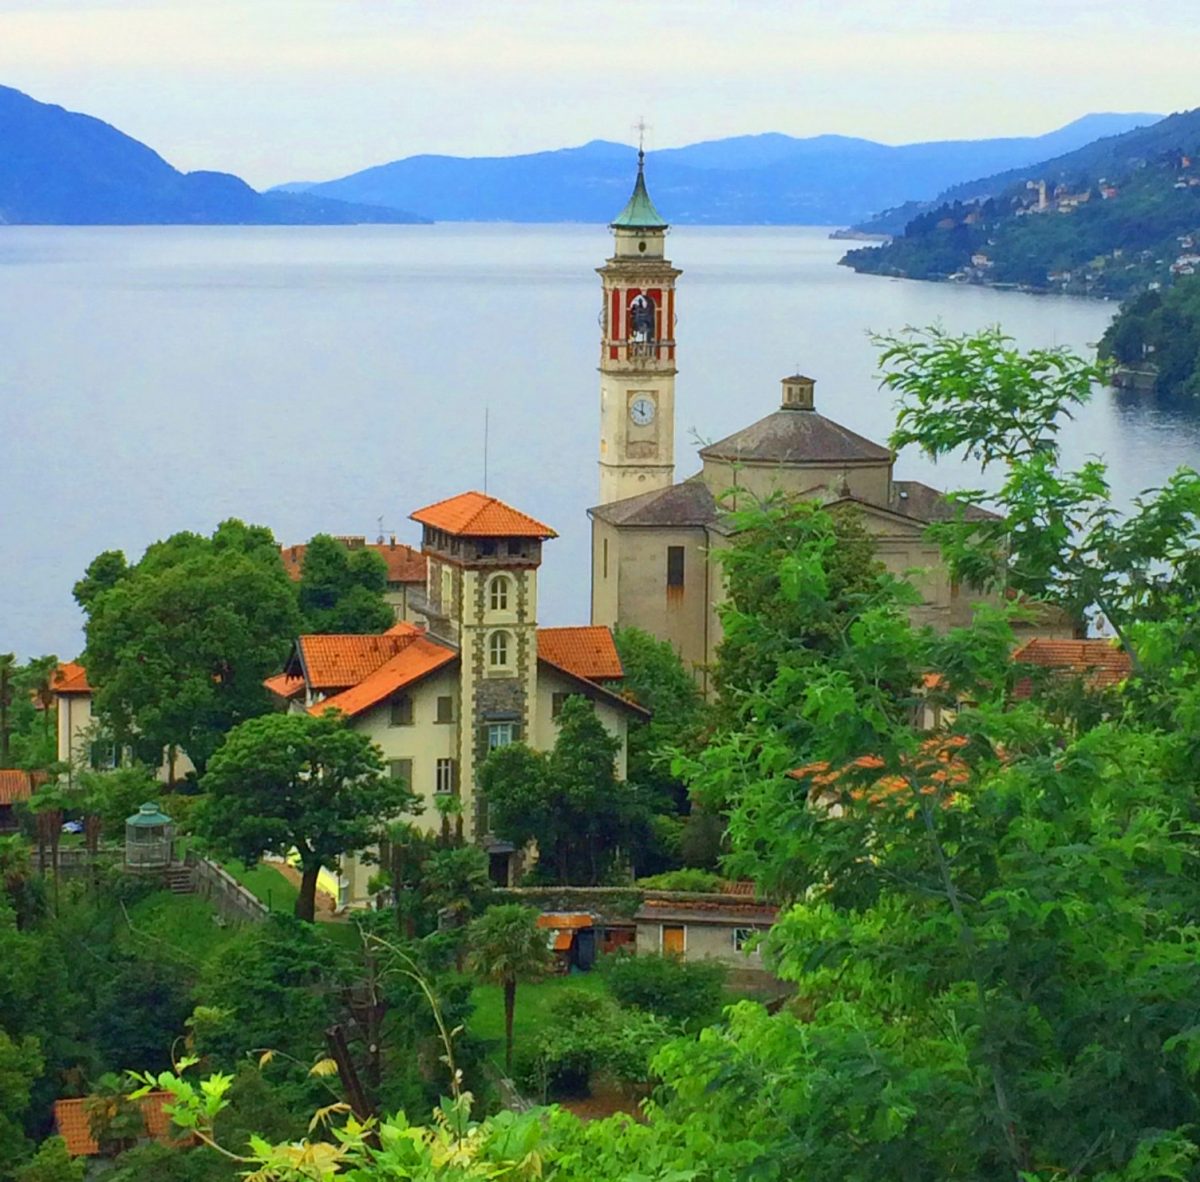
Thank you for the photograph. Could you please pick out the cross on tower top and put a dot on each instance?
(641, 127)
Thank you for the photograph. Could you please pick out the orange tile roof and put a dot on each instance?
(339, 661)
(563, 920)
(284, 685)
(16, 786)
(71, 1118)
(1102, 664)
(71, 678)
(588, 652)
(476, 515)
(420, 657)
(405, 565)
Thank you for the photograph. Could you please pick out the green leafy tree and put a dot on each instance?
(20, 1064)
(569, 801)
(341, 590)
(506, 946)
(289, 782)
(8, 680)
(52, 1163)
(178, 646)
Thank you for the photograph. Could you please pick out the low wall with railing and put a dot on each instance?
(232, 901)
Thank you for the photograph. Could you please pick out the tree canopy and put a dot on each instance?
(341, 589)
(178, 645)
(288, 782)
(568, 800)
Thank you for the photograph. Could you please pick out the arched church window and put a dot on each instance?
(641, 318)
(498, 593)
(499, 650)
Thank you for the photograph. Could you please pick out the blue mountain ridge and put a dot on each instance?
(62, 168)
(770, 178)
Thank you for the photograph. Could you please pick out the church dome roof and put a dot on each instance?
(796, 437)
(639, 212)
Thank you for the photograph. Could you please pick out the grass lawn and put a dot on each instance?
(266, 884)
(184, 927)
(530, 1015)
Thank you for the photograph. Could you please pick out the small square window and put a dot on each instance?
(402, 711)
(401, 769)
(742, 937)
(500, 734)
(445, 709)
(557, 701)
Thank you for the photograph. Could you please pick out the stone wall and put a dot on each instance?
(232, 901)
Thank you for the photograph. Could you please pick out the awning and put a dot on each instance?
(562, 941)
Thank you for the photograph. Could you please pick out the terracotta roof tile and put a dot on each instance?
(1102, 664)
(416, 660)
(476, 515)
(405, 564)
(284, 685)
(71, 1118)
(16, 786)
(71, 678)
(588, 652)
(337, 662)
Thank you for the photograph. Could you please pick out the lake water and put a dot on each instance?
(335, 379)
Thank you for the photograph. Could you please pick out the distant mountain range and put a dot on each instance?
(1116, 217)
(60, 168)
(747, 180)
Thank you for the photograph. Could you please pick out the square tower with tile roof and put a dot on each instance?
(481, 595)
(637, 353)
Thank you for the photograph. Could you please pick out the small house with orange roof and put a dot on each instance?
(80, 743)
(473, 673)
(74, 1127)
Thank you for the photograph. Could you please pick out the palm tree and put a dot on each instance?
(506, 945)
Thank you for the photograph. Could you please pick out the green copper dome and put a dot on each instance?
(639, 212)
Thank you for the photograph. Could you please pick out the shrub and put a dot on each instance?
(687, 992)
(687, 879)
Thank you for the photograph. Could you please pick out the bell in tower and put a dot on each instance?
(637, 352)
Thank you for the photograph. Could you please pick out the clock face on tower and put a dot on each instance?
(642, 410)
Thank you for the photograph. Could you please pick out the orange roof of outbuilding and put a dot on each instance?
(477, 515)
(71, 1118)
(1101, 663)
(559, 920)
(284, 685)
(416, 660)
(17, 786)
(588, 651)
(70, 678)
(405, 564)
(339, 661)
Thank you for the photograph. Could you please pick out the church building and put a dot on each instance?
(655, 540)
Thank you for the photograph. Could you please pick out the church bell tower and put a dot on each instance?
(637, 353)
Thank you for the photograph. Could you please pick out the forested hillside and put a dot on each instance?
(1160, 331)
(1105, 221)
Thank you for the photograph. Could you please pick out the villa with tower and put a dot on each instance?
(655, 539)
(475, 674)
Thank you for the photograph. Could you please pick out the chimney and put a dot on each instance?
(798, 393)
(393, 541)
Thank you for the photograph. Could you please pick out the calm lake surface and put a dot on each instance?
(336, 379)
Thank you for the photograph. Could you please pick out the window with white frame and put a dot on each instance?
(499, 650)
(500, 734)
(447, 777)
(498, 590)
(742, 938)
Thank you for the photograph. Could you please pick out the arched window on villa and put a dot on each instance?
(499, 650)
(498, 591)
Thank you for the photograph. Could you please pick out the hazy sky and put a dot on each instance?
(311, 89)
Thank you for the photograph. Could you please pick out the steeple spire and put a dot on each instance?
(639, 212)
